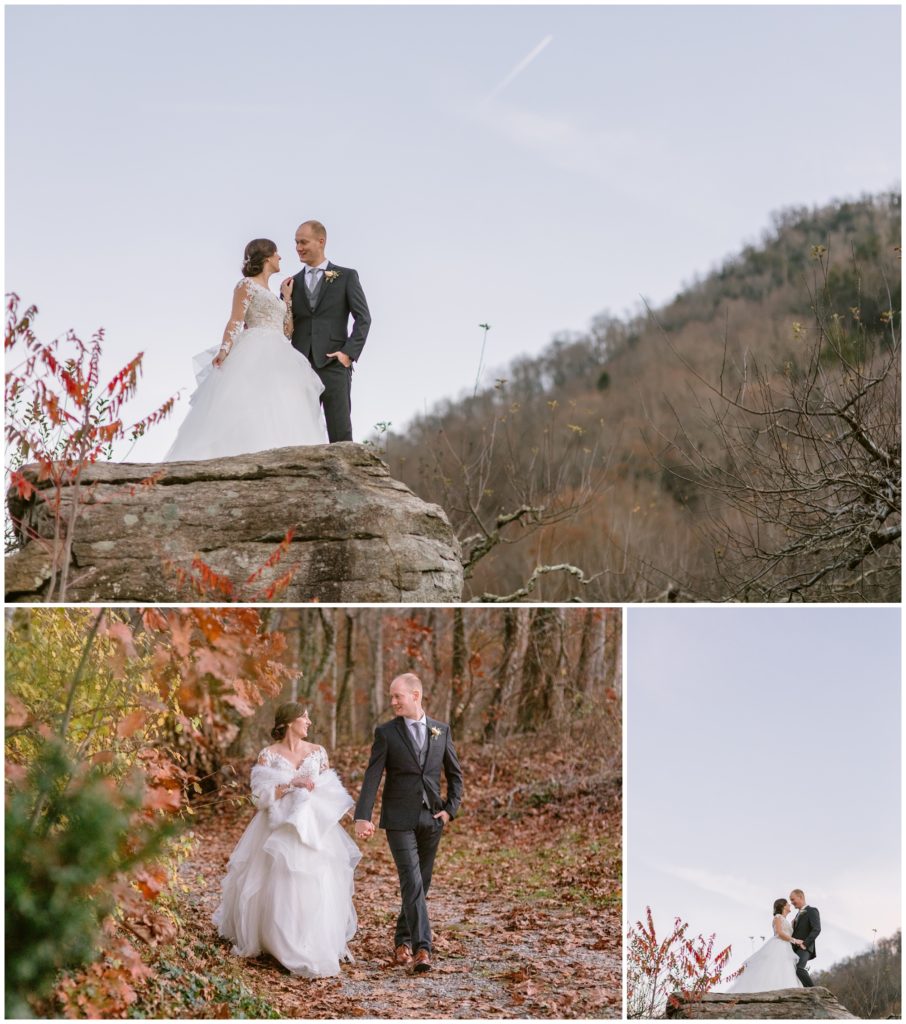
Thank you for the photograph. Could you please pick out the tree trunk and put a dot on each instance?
(535, 698)
(436, 670)
(346, 699)
(511, 618)
(597, 636)
(612, 649)
(584, 668)
(377, 693)
(334, 677)
(458, 671)
(559, 675)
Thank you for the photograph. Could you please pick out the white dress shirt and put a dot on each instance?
(313, 274)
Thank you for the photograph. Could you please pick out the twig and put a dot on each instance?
(541, 570)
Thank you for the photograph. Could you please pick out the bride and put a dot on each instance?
(257, 392)
(774, 965)
(289, 885)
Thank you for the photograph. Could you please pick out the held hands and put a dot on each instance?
(344, 359)
(363, 829)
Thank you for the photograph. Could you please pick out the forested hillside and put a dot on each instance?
(739, 443)
(869, 984)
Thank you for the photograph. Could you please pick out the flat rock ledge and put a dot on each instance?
(815, 1003)
(359, 535)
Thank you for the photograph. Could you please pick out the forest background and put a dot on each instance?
(741, 442)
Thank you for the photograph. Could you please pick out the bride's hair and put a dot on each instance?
(779, 905)
(256, 252)
(285, 714)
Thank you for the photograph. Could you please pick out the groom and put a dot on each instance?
(323, 296)
(806, 928)
(411, 750)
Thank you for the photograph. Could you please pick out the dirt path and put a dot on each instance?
(525, 908)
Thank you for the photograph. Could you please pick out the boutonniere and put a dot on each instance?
(435, 732)
(331, 275)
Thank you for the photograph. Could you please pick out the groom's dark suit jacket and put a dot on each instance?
(807, 927)
(408, 780)
(324, 327)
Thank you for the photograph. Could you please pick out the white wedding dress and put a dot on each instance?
(264, 395)
(771, 967)
(288, 890)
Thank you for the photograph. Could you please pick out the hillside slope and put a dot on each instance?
(606, 430)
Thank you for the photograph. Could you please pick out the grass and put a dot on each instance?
(180, 992)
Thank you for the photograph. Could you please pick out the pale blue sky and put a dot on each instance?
(147, 145)
(764, 755)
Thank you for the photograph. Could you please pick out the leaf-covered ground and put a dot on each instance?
(525, 908)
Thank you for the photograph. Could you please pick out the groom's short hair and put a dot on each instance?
(798, 892)
(411, 680)
(316, 226)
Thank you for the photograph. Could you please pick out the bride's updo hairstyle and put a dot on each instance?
(779, 905)
(256, 252)
(286, 713)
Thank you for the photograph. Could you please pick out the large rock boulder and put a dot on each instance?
(815, 1003)
(359, 535)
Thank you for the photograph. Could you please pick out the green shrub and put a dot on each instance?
(68, 832)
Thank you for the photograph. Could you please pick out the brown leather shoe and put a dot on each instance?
(422, 961)
(402, 956)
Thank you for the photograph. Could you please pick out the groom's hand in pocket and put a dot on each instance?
(342, 357)
(445, 818)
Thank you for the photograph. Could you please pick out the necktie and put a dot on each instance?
(312, 281)
(419, 735)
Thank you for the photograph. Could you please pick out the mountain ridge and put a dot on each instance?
(610, 401)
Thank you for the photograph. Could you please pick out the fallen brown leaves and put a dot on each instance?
(107, 988)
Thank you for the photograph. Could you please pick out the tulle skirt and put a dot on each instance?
(288, 890)
(265, 395)
(769, 968)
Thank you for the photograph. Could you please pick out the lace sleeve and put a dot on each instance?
(241, 298)
(288, 320)
(325, 764)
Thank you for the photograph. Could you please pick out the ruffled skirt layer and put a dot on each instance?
(265, 395)
(769, 968)
(288, 890)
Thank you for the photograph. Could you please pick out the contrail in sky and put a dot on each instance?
(520, 67)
